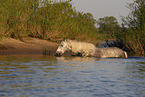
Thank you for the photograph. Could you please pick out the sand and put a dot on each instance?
(29, 46)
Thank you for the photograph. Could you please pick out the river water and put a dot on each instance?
(50, 76)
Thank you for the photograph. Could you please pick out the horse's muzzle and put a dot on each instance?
(58, 54)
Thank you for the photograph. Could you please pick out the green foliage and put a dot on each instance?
(46, 20)
(109, 26)
(135, 27)
(14, 16)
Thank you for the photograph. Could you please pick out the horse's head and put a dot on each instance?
(64, 46)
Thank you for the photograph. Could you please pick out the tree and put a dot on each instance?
(135, 24)
(108, 25)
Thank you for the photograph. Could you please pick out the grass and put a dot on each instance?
(54, 21)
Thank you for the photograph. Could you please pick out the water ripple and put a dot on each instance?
(49, 76)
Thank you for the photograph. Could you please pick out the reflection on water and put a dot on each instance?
(49, 76)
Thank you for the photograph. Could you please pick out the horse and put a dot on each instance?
(89, 50)
(77, 47)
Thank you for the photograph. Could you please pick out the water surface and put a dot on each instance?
(50, 76)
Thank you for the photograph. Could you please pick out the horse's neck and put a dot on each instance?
(69, 45)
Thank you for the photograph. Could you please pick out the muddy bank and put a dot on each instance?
(10, 46)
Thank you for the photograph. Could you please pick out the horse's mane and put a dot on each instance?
(69, 40)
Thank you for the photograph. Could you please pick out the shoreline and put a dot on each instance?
(32, 47)
(29, 46)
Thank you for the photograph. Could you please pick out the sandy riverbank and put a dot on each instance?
(10, 46)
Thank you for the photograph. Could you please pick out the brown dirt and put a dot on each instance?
(10, 46)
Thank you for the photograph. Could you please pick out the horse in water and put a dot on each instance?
(89, 50)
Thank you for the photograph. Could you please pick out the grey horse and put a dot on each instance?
(89, 50)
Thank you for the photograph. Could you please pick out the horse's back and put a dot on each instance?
(83, 47)
(112, 52)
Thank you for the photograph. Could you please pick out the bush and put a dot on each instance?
(46, 20)
(135, 27)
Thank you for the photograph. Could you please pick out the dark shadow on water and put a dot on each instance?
(135, 57)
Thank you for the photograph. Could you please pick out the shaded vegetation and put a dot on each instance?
(133, 27)
(56, 20)
(132, 30)
(109, 26)
(46, 20)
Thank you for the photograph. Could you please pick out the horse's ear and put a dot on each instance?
(68, 40)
